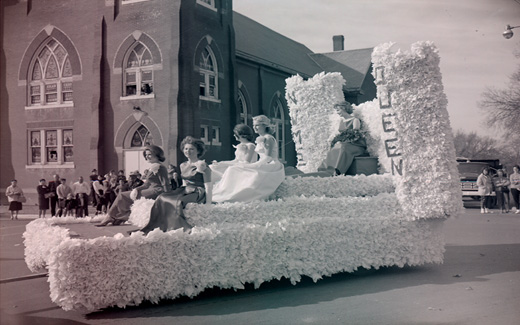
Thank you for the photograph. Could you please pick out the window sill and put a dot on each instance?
(132, 1)
(49, 166)
(217, 144)
(210, 99)
(133, 97)
(71, 105)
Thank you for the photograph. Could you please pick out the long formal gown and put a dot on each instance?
(245, 182)
(155, 182)
(168, 210)
(341, 155)
(241, 152)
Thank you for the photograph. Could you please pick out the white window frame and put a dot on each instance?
(126, 2)
(60, 148)
(207, 76)
(244, 112)
(215, 136)
(138, 71)
(43, 82)
(205, 136)
(278, 120)
(210, 5)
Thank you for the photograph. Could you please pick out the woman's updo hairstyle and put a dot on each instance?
(156, 151)
(197, 143)
(344, 106)
(264, 120)
(243, 130)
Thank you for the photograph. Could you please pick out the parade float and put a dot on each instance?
(312, 226)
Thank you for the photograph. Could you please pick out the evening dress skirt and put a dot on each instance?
(168, 210)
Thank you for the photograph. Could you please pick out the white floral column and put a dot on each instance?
(311, 103)
(419, 149)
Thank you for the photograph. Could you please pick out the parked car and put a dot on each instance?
(469, 169)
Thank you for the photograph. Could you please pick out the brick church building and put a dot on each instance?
(87, 84)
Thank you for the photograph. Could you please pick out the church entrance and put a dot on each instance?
(133, 152)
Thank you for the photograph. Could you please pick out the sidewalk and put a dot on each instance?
(31, 212)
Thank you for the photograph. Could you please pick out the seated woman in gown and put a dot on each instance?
(244, 152)
(253, 181)
(347, 145)
(168, 210)
(155, 182)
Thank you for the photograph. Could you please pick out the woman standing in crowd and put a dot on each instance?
(43, 198)
(514, 178)
(155, 183)
(501, 184)
(485, 188)
(14, 197)
(168, 210)
(99, 193)
(247, 182)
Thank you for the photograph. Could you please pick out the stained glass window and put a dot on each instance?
(142, 137)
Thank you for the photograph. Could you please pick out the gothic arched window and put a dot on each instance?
(142, 137)
(242, 107)
(138, 67)
(208, 74)
(50, 76)
(278, 119)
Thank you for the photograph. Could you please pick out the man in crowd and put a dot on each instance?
(82, 191)
(53, 186)
(93, 178)
(134, 180)
(62, 191)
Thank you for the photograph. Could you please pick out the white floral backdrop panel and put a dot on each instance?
(417, 141)
(311, 103)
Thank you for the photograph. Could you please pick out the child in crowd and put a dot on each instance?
(70, 205)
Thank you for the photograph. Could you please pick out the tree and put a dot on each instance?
(473, 146)
(502, 106)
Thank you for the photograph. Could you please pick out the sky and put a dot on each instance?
(468, 33)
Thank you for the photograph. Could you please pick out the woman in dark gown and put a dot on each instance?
(347, 145)
(155, 183)
(168, 210)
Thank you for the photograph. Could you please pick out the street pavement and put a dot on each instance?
(479, 283)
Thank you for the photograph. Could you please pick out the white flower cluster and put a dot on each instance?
(41, 237)
(411, 82)
(234, 246)
(140, 213)
(311, 103)
(371, 115)
(336, 187)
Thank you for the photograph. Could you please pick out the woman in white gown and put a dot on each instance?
(245, 182)
(244, 153)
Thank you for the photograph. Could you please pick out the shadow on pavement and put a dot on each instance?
(22, 319)
(461, 264)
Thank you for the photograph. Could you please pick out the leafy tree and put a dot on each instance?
(473, 146)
